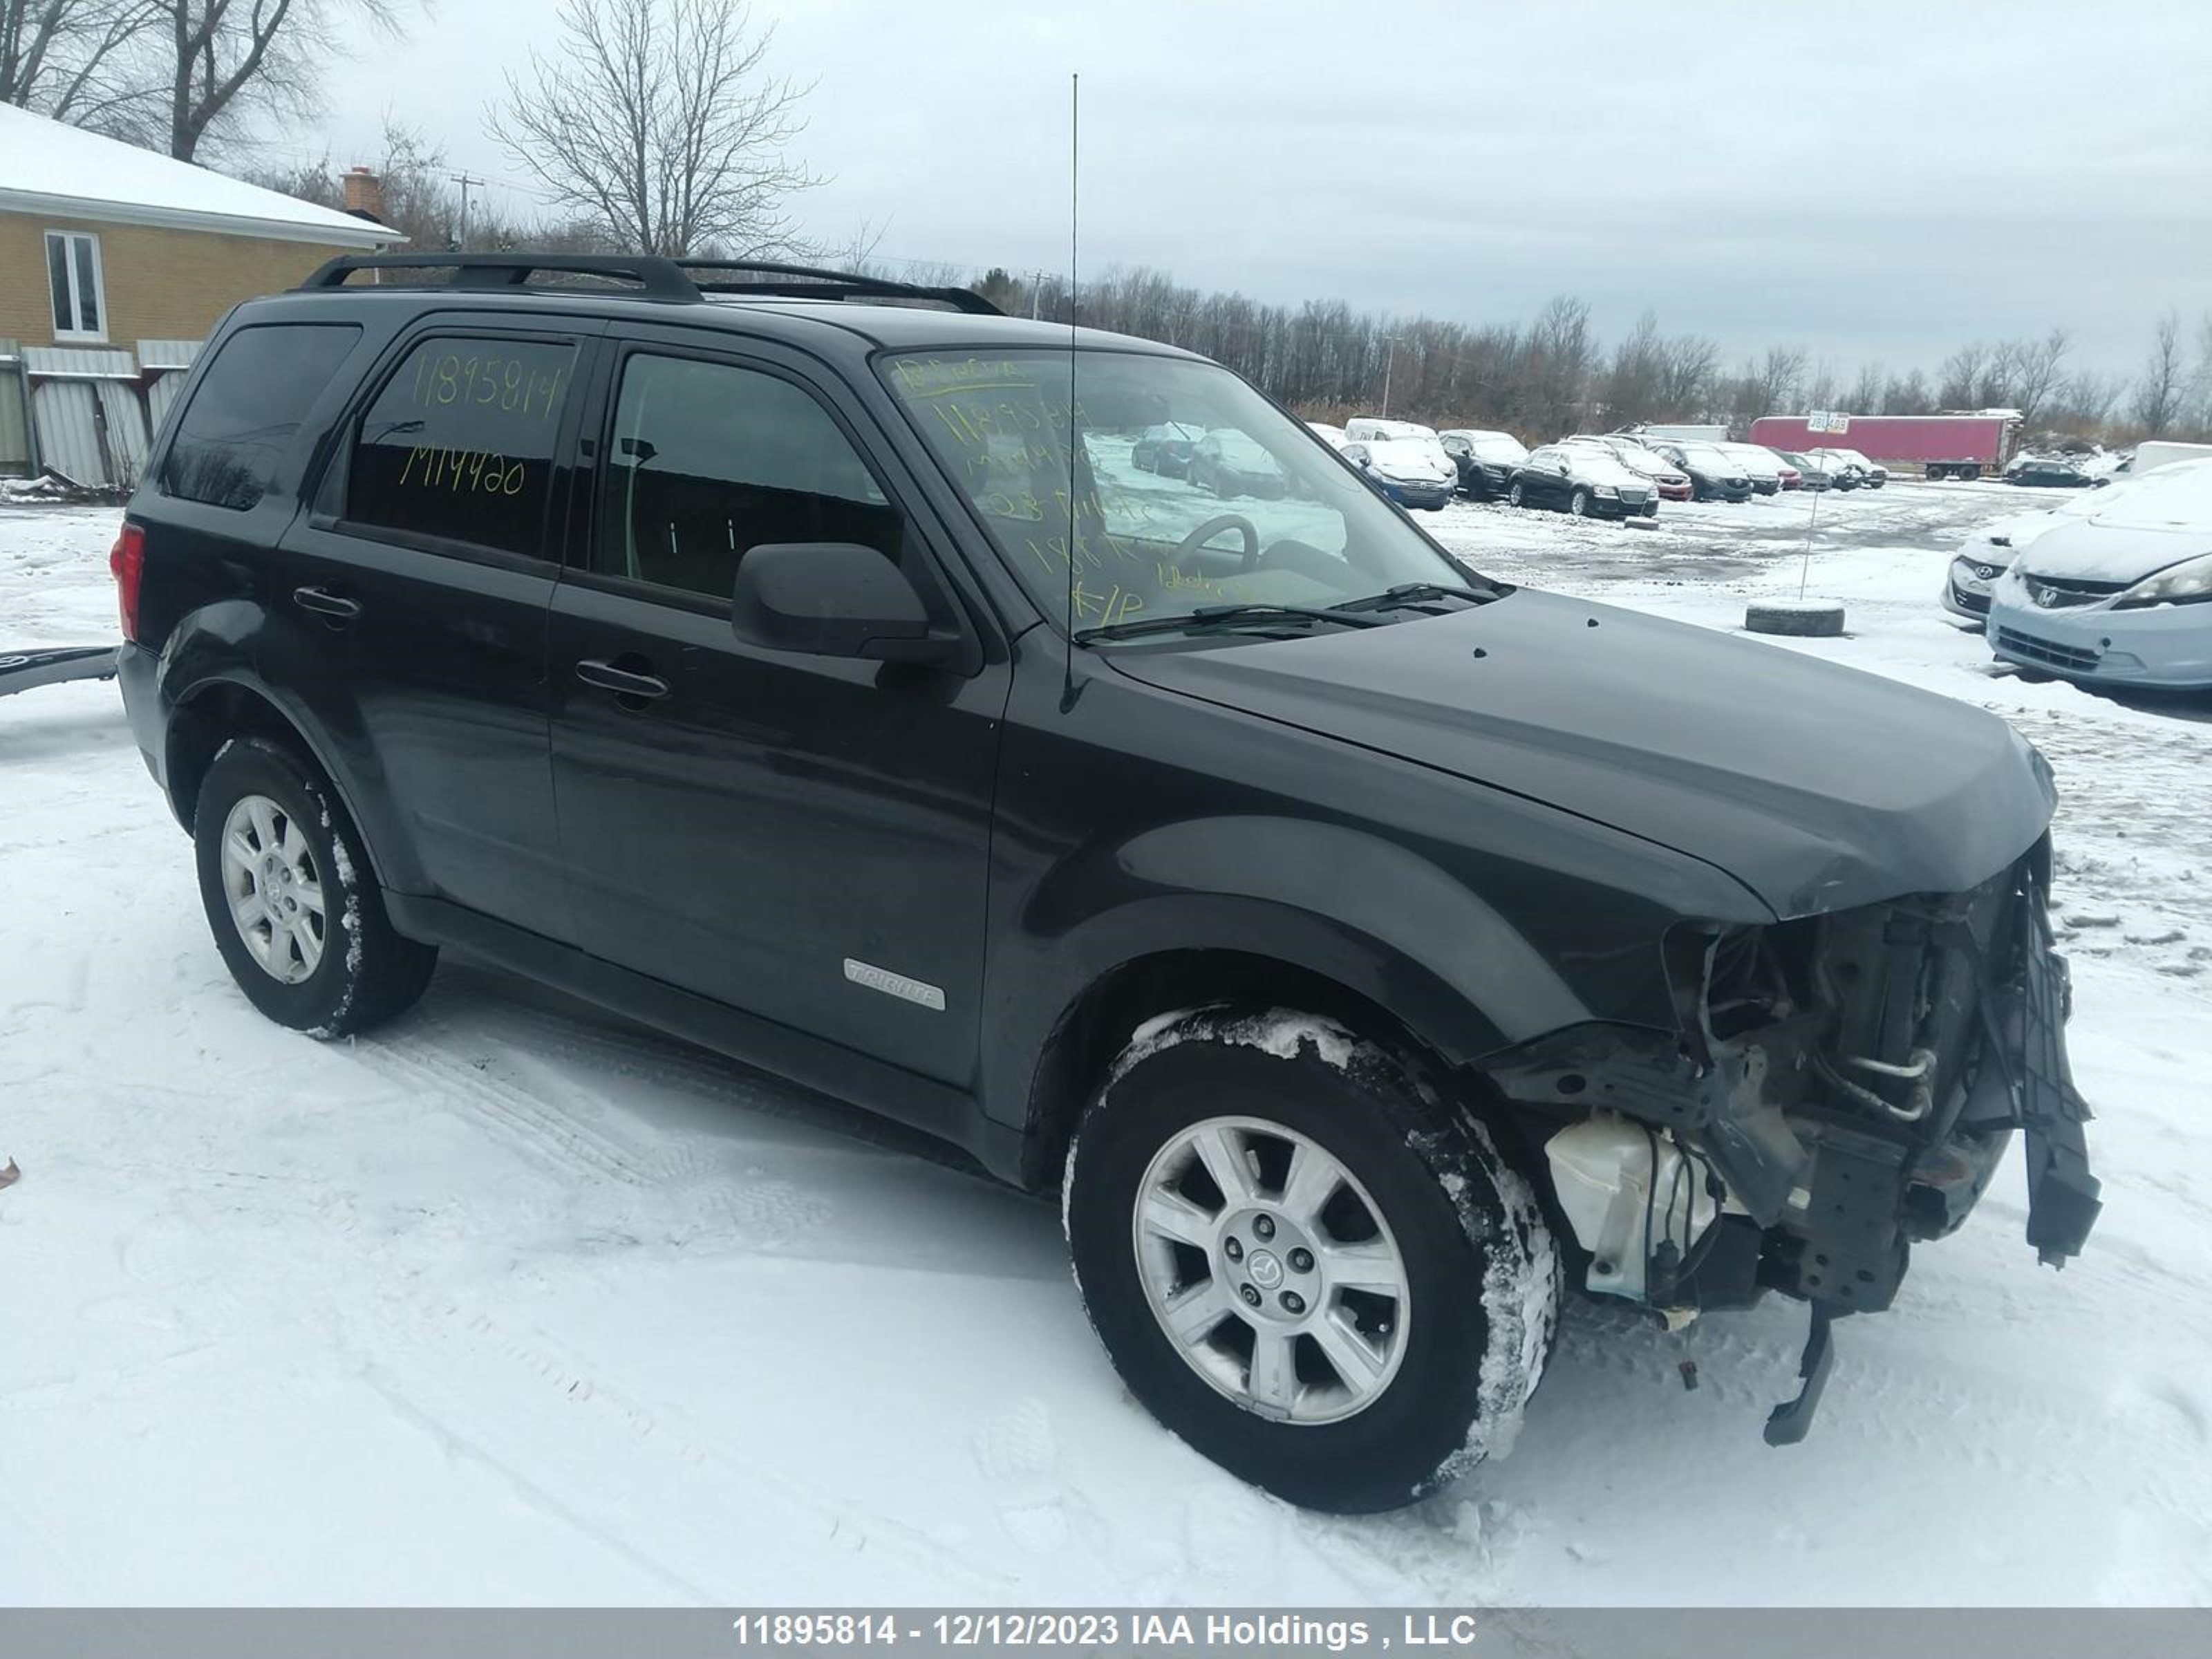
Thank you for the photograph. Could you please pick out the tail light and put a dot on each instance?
(127, 562)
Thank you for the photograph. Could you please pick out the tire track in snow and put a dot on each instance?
(635, 1472)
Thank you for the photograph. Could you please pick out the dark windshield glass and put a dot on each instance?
(1290, 523)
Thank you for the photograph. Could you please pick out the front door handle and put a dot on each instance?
(622, 682)
(324, 602)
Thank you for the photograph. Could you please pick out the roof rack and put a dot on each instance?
(656, 277)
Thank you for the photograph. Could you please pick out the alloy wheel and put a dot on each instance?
(1271, 1270)
(274, 888)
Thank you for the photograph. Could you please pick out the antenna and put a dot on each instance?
(1074, 143)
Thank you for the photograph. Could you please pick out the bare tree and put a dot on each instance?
(1958, 384)
(1865, 397)
(2158, 394)
(72, 59)
(2035, 371)
(1687, 380)
(658, 120)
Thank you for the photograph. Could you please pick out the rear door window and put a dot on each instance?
(459, 444)
(247, 408)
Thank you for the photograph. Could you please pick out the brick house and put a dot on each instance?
(104, 244)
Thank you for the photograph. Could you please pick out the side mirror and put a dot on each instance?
(832, 599)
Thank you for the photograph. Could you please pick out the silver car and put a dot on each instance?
(2124, 596)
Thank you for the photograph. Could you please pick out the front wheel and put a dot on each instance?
(1513, 496)
(291, 897)
(1303, 1262)
(1578, 504)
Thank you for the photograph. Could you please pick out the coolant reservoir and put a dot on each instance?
(1603, 1169)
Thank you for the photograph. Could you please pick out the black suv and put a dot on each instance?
(1363, 948)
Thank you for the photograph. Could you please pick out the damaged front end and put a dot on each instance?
(1840, 1087)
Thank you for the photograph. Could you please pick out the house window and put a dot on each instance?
(73, 277)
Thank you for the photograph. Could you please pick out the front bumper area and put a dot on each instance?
(2164, 647)
(1847, 1085)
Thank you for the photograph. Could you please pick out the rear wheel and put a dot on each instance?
(1304, 1263)
(291, 897)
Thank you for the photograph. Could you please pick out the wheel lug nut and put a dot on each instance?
(1301, 1262)
(1233, 1250)
(1264, 1225)
(1293, 1303)
(1251, 1297)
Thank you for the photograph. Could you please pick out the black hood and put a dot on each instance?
(1819, 787)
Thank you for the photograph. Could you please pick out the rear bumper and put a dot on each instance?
(137, 674)
(1412, 495)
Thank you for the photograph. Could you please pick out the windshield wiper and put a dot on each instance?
(1222, 615)
(1408, 593)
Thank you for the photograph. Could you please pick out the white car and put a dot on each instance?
(1760, 464)
(1334, 437)
(1990, 549)
(2121, 596)
(1872, 474)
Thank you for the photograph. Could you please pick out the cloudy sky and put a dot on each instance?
(1868, 180)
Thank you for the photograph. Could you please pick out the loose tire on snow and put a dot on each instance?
(292, 900)
(1806, 620)
(1295, 1110)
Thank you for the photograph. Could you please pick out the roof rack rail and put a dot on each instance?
(657, 277)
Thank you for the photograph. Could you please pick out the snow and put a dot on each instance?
(50, 166)
(514, 1301)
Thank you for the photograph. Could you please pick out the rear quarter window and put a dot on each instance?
(247, 409)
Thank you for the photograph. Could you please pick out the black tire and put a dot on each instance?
(1482, 1275)
(1578, 503)
(1514, 496)
(368, 972)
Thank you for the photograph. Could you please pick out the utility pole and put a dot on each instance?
(1388, 363)
(465, 182)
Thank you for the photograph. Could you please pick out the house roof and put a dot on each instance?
(50, 168)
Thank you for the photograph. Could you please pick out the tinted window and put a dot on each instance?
(247, 406)
(709, 461)
(459, 442)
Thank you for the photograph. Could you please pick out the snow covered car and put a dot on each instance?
(2120, 595)
(1411, 471)
(1760, 464)
(1714, 475)
(1230, 464)
(1816, 474)
(1362, 949)
(1671, 484)
(1486, 460)
(1871, 474)
(1164, 449)
(1988, 550)
(1583, 479)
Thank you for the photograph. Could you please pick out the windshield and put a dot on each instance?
(999, 425)
(1707, 457)
(1498, 448)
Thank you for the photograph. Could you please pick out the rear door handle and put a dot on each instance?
(324, 602)
(621, 680)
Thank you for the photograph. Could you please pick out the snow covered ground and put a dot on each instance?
(515, 1303)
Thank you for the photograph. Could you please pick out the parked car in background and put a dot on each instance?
(2122, 596)
(1872, 474)
(1334, 437)
(1486, 460)
(1231, 464)
(2049, 472)
(1815, 473)
(1760, 464)
(1411, 471)
(1583, 479)
(1671, 484)
(1165, 449)
(1714, 475)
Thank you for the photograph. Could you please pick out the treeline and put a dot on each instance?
(1553, 374)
